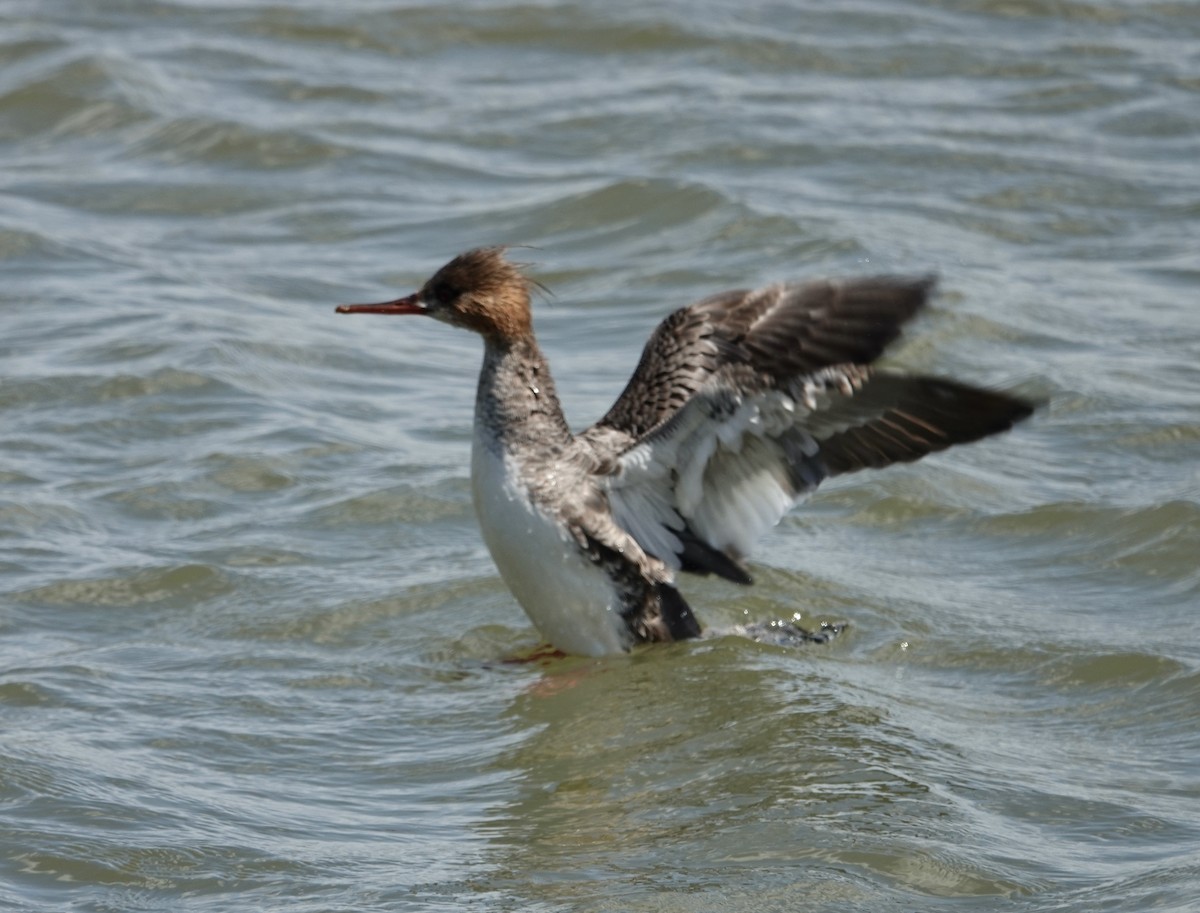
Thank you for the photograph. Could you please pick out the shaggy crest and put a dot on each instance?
(483, 291)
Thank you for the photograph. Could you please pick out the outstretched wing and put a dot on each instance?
(783, 331)
(702, 487)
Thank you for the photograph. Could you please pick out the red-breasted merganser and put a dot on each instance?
(741, 404)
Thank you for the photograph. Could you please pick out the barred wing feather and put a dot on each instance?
(698, 491)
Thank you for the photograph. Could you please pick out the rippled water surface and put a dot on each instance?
(252, 650)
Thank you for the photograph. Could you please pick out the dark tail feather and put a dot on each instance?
(677, 615)
(698, 557)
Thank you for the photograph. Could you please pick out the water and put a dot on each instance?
(251, 647)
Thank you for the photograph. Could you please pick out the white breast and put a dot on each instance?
(570, 600)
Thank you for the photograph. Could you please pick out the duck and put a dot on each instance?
(740, 406)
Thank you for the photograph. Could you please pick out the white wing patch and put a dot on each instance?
(727, 466)
(745, 493)
(642, 500)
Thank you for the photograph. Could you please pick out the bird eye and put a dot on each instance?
(440, 293)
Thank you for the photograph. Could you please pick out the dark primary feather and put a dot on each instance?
(895, 418)
(781, 330)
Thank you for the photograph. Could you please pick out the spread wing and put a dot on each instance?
(699, 490)
(782, 330)
(743, 402)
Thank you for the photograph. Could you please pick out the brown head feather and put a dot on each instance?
(483, 291)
